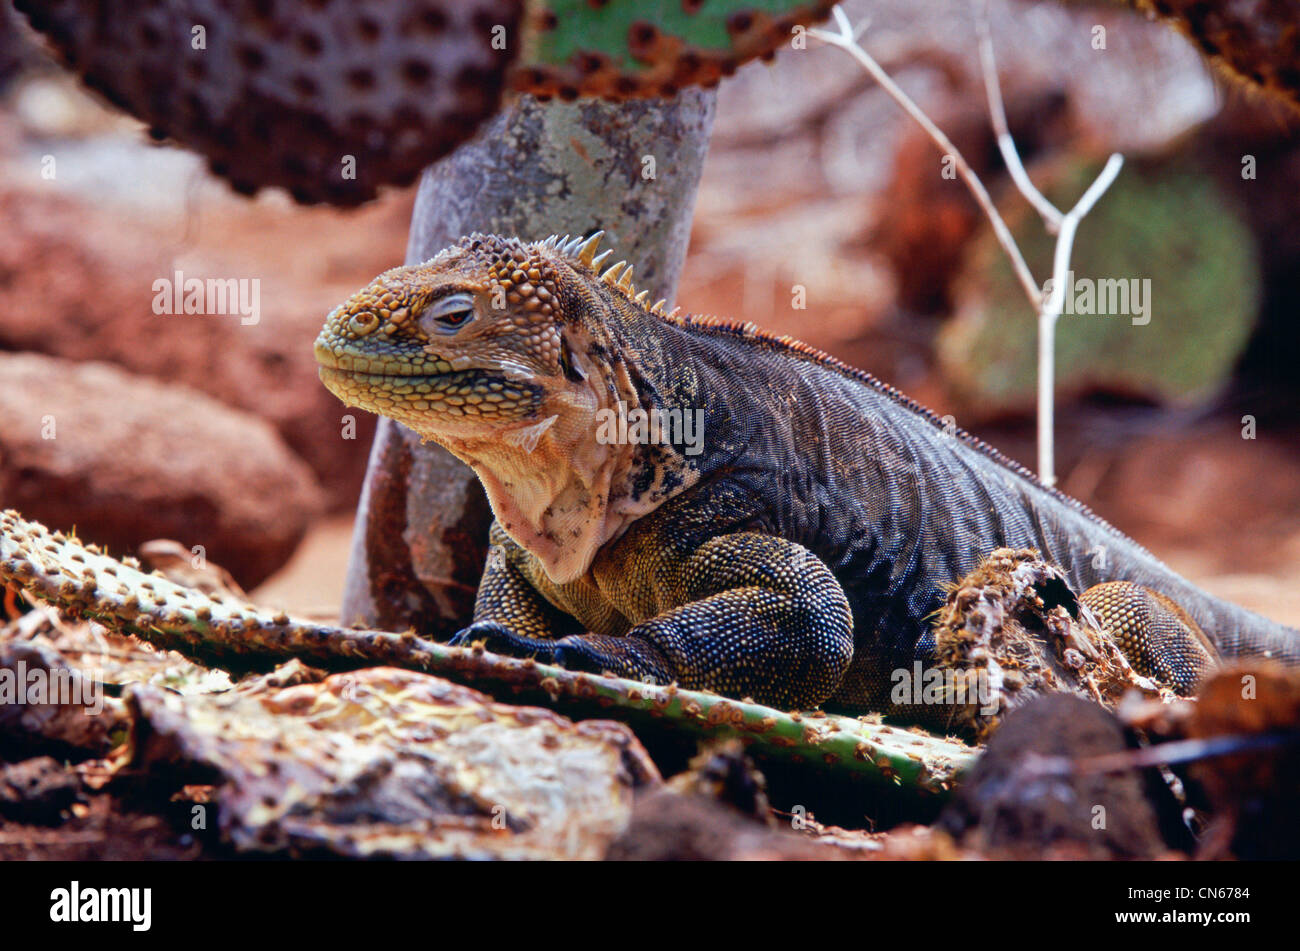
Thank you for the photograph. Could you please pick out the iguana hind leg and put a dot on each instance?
(1155, 634)
(756, 616)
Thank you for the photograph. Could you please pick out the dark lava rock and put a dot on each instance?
(1010, 807)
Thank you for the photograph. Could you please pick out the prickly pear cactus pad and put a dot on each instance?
(83, 582)
(331, 100)
(1258, 43)
(327, 100)
(395, 764)
(650, 47)
(1015, 621)
(1160, 299)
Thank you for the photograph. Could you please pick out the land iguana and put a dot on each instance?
(794, 560)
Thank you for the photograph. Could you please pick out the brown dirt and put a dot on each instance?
(1005, 809)
(103, 828)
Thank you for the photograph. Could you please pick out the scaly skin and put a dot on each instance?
(794, 559)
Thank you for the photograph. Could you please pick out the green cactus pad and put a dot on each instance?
(83, 582)
(629, 48)
(1167, 227)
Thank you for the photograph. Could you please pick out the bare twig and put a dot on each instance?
(1010, 156)
(1062, 225)
(846, 39)
(1173, 752)
(1052, 310)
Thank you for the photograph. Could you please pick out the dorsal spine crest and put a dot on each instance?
(581, 252)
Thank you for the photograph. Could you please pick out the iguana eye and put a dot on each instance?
(449, 314)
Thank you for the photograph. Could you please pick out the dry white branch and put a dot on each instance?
(1051, 215)
(1063, 226)
(847, 40)
(1052, 310)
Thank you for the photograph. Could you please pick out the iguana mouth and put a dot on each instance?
(401, 362)
(386, 381)
(400, 387)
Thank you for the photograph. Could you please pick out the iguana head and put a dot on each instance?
(500, 350)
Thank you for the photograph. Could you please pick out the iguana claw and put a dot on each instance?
(501, 640)
(572, 654)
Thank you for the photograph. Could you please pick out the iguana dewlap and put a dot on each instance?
(789, 550)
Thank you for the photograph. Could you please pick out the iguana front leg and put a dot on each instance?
(747, 615)
(1155, 634)
(510, 615)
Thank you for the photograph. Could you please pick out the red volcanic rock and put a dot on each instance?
(124, 460)
(72, 286)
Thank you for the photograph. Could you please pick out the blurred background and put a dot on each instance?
(817, 189)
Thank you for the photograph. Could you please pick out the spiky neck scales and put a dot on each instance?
(749, 334)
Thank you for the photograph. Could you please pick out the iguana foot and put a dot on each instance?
(758, 616)
(501, 640)
(1155, 634)
(632, 657)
